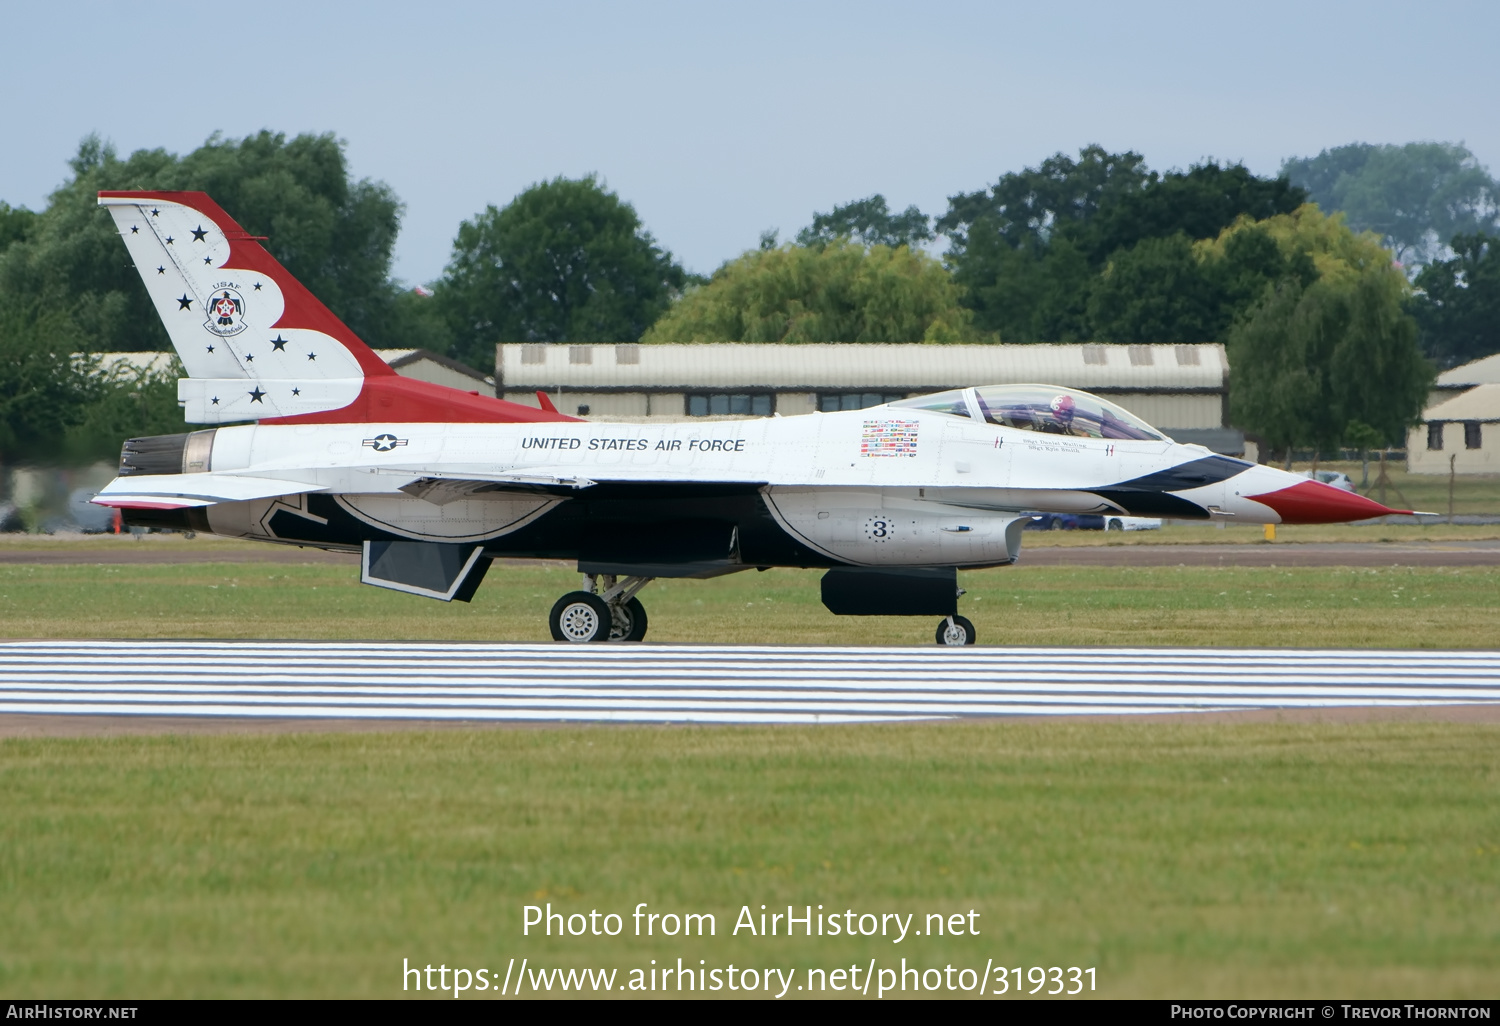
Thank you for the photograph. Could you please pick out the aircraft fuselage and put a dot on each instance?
(877, 487)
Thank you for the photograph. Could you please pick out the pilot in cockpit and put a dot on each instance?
(1045, 408)
(1061, 421)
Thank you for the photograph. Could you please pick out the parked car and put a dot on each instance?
(1090, 522)
(1332, 477)
(1132, 524)
(1066, 522)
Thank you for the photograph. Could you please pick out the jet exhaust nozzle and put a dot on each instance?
(187, 453)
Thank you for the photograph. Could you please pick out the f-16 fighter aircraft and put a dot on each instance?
(324, 445)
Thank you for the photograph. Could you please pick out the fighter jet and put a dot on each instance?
(316, 442)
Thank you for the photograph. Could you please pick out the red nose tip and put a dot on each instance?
(1313, 502)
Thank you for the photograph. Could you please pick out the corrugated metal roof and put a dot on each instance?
(1482, 402)
(908, 367)
(1478, 372)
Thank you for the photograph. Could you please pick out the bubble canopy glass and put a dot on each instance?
(1050, 409)
(951, 402)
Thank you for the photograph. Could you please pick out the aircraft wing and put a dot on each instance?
(441, 489)
(443, 486)
(178, 491)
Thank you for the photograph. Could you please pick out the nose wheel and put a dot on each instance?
(955, 630)
(606, 610)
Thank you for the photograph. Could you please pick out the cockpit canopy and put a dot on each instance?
(1050, 409)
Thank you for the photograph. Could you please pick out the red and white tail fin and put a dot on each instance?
(256, 344)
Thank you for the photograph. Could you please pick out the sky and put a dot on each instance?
(718, 121)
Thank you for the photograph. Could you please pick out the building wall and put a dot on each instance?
(437, 374)
(793, 404)
(917, 368)
(1168, 411)
(423, 365)
(601, 405)
(1164, 411)
(606, 406)
(1484, 460)
(1169, 386)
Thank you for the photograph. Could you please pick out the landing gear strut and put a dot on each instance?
(606, 610)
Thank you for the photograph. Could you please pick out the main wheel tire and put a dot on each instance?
(579, 617)
(629, 624)
(960, 633)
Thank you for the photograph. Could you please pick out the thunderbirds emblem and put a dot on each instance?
(226, 312)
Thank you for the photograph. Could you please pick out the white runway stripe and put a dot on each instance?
(707, 684)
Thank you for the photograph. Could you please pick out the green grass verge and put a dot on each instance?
(1179, 858)
(1234, 606)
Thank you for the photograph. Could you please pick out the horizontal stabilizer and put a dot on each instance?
(179, 491)
(232, 400)
(429, 569)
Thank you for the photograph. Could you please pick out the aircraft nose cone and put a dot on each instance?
(1313, 502)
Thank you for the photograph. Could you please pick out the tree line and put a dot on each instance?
(1327, 316)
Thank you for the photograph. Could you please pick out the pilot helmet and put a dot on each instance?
(1062, 408)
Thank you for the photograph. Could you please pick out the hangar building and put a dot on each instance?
(1182, 389)
(1461, 426)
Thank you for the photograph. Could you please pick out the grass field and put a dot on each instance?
(1180, 859)
(1234, 606)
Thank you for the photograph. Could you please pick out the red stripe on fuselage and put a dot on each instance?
(398, 400)
(1313, 502)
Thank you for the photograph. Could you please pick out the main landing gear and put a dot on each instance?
(606, 610)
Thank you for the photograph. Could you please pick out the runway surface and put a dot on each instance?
(710, 684)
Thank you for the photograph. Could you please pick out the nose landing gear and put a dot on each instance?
(606, 610)
(955, 630)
